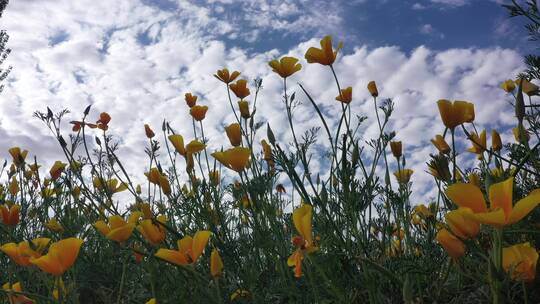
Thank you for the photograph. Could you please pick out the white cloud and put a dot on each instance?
(136, 62)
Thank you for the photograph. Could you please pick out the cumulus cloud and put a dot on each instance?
(136, 60)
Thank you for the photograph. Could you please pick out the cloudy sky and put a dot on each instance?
(135, 59)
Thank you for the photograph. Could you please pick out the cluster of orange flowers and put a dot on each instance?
(464, 222)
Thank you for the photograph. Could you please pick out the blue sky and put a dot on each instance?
(439, 25)
(136, 58)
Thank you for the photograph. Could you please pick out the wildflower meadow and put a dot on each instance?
(87, 230)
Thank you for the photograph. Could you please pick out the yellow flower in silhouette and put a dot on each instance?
(148, 131)
(61, 256)
(479, 144)
(520, 132)
(304, 241)
(286, 66)
(455, 113)
(496, 142)
(372, 88)
(403, 176)
(194, 146)
(117, 229)
(244, 109)
(501, 211)
(189, 249)
(111, 185)
(198, 112)
(191, 100)
(54, 226)
(155, 177)
(234, 133)
(178, 143)
(345, 96)
(325, 55)
(267, 151)
(520, 261)
(396, 148)
(508, 86)
(224, 76)
(440, 144)
(57, 169)
(240, 88)
(236, 158)
(18, 155)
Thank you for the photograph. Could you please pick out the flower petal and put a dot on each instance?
(500, 196)
(467, 195)
(524, 206)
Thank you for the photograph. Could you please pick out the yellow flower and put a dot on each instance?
(236, 158)
(14, 186)
(57, 169)
(225, 77)
(148, 131)
(111, 185)
(520, 132)
(189, 249)
(508, 86)
(267, 150)
(117, 229)
(303, 242)
(214, 177)
(18, 155)
(502, 212)
(155, 177)
(61, 256)
(195, 146)
(345, 96)
(496, 142)
(520, 261)
(453, 246)
(456, 113)
(178, 143)
(234, 133)
(372, 88)
(191, 100)
(22, 252)
(154, 233)
(403, 176)
(16, 298)
(239, 294)
(54, 225)
(286, 66)
(479, 144)
(240, 88)
(423, 210)
(325, 55)
(10, 215)
(151, 301)
(440, 144)
(396, 148)
(461, 225)
(198, 112)
(216, 264)
(244, 109)
(528, 87)
(474, 179)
